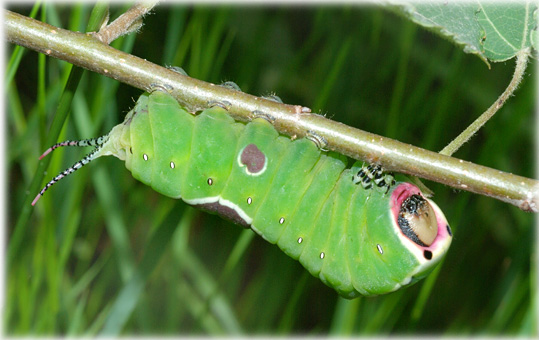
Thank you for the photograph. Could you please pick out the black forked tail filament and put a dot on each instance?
(97, 142)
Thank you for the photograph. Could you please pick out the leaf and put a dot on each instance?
(492, 31)
(455, 21)
(534, 35)
(507, 28)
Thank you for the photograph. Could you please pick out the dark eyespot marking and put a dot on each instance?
(449, 230)
(427, 254)
(224, 211)
(210, 181)
(253, 159)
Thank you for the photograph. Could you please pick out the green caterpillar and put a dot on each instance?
(355, 229)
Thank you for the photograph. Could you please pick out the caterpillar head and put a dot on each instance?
(421, 225)
(417, 220)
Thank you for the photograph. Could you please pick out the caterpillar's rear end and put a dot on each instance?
(359, 238)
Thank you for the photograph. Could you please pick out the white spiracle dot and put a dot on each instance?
(145, 157)
(322, 255)
(380, 250)
(210, 181)
(249, 200)
(281, 220)
(300, 239)
(172, 165)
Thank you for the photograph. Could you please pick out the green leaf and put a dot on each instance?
(455, 21)
(507, 28)
(492, 31)
(534, 35)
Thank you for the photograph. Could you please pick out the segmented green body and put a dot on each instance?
(294, 195)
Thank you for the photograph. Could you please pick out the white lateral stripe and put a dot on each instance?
(203, 200)
(223, 202)
(237, 209)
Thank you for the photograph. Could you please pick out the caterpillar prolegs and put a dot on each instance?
(355, 228)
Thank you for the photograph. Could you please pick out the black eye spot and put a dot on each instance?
(427, 254)
(448, 230)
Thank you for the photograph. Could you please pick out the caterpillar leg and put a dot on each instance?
(178, 69)
(97, 142)
(273, 97)
(320, 142)
(231, 86)
(373, 173)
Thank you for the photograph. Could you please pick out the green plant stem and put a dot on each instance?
(293, 120)
(522, 61)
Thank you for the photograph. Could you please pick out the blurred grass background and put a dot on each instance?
(105, 254)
